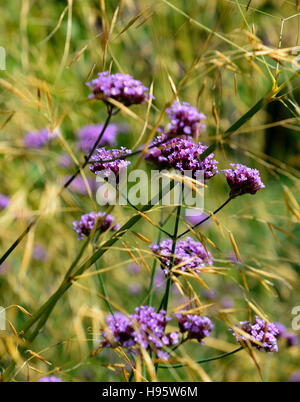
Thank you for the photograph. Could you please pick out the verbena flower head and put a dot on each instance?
(184, 154)
(190, 253)
(88, 135)
(143, 329)
(4, 201)
(195, 326)
(121, 87)
(265, 333)
(87, 223)
(107, 168)
(185, 120)
(38, 139)
(51, 378)
(242, 179)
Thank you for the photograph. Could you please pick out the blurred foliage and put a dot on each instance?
(227, 52)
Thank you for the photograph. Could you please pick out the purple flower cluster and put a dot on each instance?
(38, 139)
(87, 223)
(114, 156)
(185, 120)
(242, 179)
(51, 378)
(184, 154)
(121, 87)
(145, 328)
(4, 201)
(195, 326)
(190, 253)
(88, 135)
(265, 333)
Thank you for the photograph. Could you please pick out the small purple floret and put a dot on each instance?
(266, 333)
(242, 179)
(145, 328)
(106, 169)
(195, 326)
(87, 223)
(185, 120)
(182, 153)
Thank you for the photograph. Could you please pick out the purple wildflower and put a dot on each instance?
(185, 120)
(100, 167)
(242, 179)
(88, 135)
(87, 223)
(265, 333)
(121, 87)
(145, 328)
(4, 201)
(183, 154)
(38, 139)
(51, 378)
(120, 332)
(190, 253)
(196, 327)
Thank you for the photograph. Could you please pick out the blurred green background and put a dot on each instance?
(227, 54)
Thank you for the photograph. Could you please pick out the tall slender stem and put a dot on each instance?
(165, 300)
(207, 218)
(165, 366)
(103, 288)
(150, 291)
(88, 157)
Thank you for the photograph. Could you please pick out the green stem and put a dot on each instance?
(150, 291)
(207, 218)
(201, 361)
(103, 288)
(165, 300)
